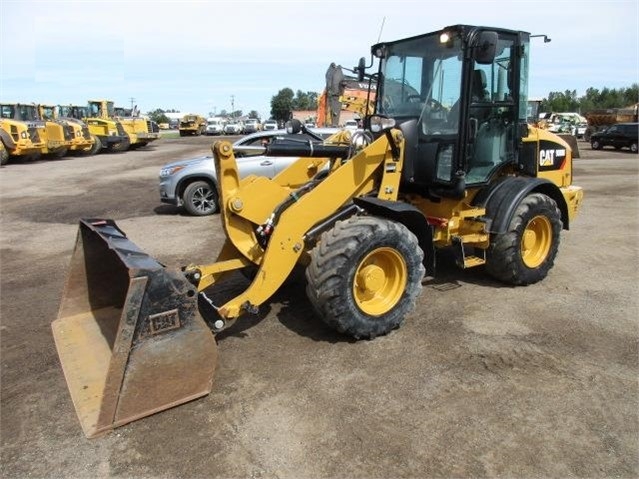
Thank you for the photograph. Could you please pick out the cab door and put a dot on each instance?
(492, 112)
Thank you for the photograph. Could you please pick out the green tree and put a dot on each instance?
(282, 104)
(253, 114)
(560, 102)
(593, 99)
(305, 101)
(158, 116)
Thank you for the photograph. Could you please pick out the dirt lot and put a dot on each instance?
(482, 380)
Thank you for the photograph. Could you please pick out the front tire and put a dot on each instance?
(121, 146)
(365, 275)
(633, 147)
(200, 199)
(96, 147)
(526, 252)
(596, 145)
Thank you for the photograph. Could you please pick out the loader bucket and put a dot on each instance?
(129, 335)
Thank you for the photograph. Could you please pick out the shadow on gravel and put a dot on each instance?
(169, 210)
(296, 312)
(450, 276)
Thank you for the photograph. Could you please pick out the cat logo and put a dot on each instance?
(548, 157)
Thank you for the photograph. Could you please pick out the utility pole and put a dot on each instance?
(232, 104)
(132, 102)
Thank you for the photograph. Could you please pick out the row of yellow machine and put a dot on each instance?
(30, 132)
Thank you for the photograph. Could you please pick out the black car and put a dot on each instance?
(621, 135)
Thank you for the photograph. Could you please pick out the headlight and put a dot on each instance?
(165, 172)
(24, 135)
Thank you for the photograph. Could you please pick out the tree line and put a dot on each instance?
(594, 99)
(286, 101)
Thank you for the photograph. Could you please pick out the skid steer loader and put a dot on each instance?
(446, 160)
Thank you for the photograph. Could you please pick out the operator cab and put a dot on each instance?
(456, 94)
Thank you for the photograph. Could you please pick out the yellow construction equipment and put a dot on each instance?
(141, 130)
(109, 134)
(446, 160)
(192, 124)
(353, 95)
(76, 131)
(20, 140)
(56, 137)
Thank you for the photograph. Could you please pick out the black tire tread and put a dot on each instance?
(504, 260)
(329, 291)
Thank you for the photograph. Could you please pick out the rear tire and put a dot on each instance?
(526, 252)
(633, 147)
(4, 156)
(365, 275)
(200, 199)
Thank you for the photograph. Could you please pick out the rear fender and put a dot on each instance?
(501, 199)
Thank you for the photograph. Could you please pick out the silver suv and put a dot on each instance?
(192, 184)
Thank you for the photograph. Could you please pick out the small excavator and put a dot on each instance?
(446, 160)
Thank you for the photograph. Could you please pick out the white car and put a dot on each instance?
(215, 126)
(351, 124)
(233, 128)
(270, 125)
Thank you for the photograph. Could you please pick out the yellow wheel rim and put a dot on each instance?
(380, 281)
(536, 241)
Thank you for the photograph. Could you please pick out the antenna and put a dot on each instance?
(381, 28)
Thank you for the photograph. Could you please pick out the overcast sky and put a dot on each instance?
(206, 56)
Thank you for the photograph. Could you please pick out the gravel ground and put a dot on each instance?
(482, 380)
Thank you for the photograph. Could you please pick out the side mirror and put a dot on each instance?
(361, 68)
(378, 123)
(486, 47)
(293, 126)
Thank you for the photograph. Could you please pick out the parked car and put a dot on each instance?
(270, 125)
(581, 130)
(621, 135)
(251, 125)
(215, 126)
(192, 184)
(351, 124)
(232, 128)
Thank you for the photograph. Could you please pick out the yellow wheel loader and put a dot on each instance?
(446, 160)
(76, 131)
(108, 134)
(142, 131)
(55, 136)
(20, 140)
